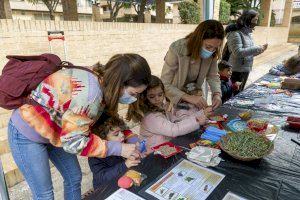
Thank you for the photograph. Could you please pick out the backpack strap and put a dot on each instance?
(66, 64)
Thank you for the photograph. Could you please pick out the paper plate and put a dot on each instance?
(237, 125)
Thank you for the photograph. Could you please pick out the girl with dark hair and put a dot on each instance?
(160, 121)
(190, 61)
(241, 46)
(59, 128)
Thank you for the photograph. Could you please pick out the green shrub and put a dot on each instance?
(224, 15)
(189, 12)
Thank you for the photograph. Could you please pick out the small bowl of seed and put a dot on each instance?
(166, 149)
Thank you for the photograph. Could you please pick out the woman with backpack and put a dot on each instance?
(190, 61)
(241, 46)
(58, 128)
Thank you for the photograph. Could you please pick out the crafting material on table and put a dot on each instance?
(237, 125)
(204, 156)
(166, 149)
(246, 145)
(183, 181)
(213, 134)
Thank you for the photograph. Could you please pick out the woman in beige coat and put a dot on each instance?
(190, 61)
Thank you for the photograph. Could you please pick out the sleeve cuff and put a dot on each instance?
(132, 140)
(113, 148)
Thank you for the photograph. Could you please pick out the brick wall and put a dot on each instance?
(88, 42)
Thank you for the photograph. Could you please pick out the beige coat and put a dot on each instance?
(176, 68)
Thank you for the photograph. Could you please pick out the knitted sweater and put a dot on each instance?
(70, 102)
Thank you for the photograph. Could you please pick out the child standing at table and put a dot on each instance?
(160, 122)
(111, 168)
(228, 88)
(288, 68)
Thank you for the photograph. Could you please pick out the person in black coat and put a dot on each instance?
(111, 168)
(227, 87)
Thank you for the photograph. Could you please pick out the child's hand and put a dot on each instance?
(202, 119)
(131, 162)
(238, 84)
(208, 111)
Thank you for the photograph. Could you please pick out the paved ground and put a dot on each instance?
(262, 65)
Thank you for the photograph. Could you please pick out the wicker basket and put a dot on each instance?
(225, 138)
(291, 83)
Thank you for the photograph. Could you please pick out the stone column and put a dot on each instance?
(96, 13)
(147, 17)
(201, 6)
(266, 7)
(216, 9)
(288, 8)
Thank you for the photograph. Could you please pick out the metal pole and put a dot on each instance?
(3, 188)
(208, 14)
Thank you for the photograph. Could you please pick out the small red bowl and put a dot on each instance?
(170, 144)
(294, 122)
(252, 126)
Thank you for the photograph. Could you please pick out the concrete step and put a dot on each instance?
(4, 147)
(12, 174)
(4, 119)
(4, 111)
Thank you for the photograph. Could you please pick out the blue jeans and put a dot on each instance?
(33, 161)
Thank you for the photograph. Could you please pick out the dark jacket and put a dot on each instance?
(107, 169)
(227, 88)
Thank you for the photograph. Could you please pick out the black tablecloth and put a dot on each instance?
(277, 176)
(278, 104)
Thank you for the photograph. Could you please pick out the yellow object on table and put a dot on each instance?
(135, 176)
(274, 85)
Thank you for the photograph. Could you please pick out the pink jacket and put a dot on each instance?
(157, 128)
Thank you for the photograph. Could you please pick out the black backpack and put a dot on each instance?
(226, 53)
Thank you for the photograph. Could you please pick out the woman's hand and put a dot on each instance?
(216, 101)
(198, 101)
(129, 150)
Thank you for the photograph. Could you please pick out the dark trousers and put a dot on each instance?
(240, 77)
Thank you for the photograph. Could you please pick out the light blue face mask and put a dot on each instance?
(126, 98)
(205, 53)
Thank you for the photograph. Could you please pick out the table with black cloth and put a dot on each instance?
(277, 176)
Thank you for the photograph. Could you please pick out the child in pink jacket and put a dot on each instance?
(160, 122)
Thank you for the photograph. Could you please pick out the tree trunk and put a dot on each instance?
(5, 10)
(51, 13)
(96, 13)
(160, 11)
(70, 10)
(141, 11)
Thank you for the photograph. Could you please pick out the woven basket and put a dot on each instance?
(225, 138)
(291, 83)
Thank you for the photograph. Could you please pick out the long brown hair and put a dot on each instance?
(138, 109)
(209, 29)
(120, 71)
(293, 64)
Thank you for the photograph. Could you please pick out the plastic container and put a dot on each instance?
(294, 122)
(257, 125)
(169, 144)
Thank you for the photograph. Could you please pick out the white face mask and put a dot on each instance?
(126, 98)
